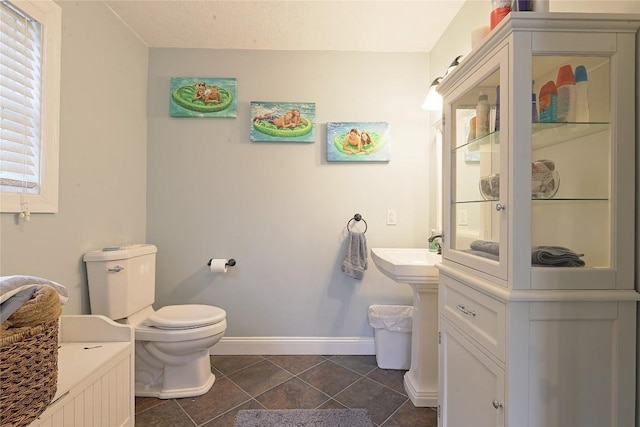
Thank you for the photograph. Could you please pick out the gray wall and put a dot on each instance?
(280, 209)
(456, 39)
(103, 147)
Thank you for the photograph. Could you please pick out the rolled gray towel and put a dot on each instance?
(486, 246)
(555, 256)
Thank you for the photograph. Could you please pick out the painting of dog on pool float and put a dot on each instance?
(358, 142)
(203, 97)
(282, 122)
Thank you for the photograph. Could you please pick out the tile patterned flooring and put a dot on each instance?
(290, 382)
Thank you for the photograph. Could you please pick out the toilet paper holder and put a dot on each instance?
(230, 262)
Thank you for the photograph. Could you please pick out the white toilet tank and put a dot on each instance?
(121, 281)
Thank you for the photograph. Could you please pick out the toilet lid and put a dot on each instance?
(185, 316)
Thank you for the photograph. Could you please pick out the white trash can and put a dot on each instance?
(392, 334)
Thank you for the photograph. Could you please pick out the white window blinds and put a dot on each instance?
(20, 100)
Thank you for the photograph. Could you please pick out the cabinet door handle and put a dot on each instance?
(464, 310)
(497, 404)
(500, 207)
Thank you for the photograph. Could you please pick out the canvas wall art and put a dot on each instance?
(203, 97)
(283, 121)
(358, 142)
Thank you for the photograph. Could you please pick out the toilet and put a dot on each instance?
(172, 343)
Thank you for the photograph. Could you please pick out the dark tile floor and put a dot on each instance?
(290, 382)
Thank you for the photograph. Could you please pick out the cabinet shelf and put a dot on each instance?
(533, 200)
(542, 135)
(547, 134)
(483, 143)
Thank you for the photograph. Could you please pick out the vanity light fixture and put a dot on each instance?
(454, 64)
(433, 101)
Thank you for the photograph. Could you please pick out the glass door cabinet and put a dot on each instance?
(537, 190)
(537, 279)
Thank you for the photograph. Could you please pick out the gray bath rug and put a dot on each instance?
(303, 418)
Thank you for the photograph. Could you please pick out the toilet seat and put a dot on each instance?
(151, 333)
(186, 316)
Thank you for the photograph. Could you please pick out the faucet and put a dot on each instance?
(438, 244)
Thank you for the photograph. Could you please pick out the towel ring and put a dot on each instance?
(357, 217)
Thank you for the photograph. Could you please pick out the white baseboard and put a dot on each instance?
(420, 398)
(294, 345)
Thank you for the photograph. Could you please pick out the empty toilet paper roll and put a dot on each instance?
(218, 265)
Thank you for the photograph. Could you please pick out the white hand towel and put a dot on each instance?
(355, 256)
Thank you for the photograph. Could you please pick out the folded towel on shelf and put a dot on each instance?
(482, 254)
(541, 256)
(486, 246)
(43, 307)
(355, 256)
(555, 256)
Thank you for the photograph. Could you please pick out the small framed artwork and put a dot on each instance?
(358, 142)
(283, 121)
(471, 156)
(203, 97)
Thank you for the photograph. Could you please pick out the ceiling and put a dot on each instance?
(335, 25)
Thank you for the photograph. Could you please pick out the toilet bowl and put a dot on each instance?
(172, 349)
(171, 344)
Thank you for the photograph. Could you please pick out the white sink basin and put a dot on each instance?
(407, 265)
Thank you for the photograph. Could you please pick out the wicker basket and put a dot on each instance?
(28, 373)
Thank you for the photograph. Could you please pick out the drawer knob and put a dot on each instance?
(497, 404)
(464, 310)
(500, 207)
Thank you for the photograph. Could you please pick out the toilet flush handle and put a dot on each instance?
(117, 269)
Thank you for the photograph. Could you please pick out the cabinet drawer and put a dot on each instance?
(479, 315)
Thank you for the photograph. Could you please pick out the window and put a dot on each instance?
(30, 33)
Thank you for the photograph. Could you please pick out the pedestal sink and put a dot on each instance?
(416, 267)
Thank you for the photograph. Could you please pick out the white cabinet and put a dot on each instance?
(549, 361)
(471, 356)
(473, 392)
(95, 375)
(537, 306)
